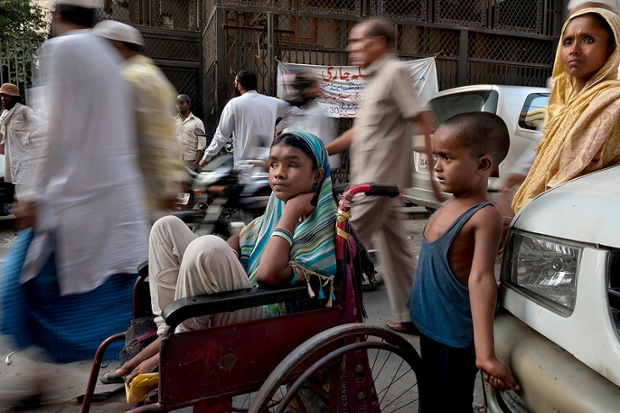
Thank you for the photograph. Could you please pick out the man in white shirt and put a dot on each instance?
(251, 119)
(20, 128)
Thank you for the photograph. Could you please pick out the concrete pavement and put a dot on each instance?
(69, 381)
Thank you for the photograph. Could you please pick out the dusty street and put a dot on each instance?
(67, 382)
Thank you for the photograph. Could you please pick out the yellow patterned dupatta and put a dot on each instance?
(582, 130)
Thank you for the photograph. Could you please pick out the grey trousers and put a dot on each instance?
(380, 223)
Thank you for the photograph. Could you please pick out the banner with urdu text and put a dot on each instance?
(342, 87)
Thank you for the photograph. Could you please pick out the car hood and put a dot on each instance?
(585, 209)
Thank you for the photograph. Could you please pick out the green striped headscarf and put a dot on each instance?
(314, 238)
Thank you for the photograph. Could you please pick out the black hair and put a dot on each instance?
(77, 15)
(247, 79)
(381, 28)
(134, 47)
(604, 25)
(483, 133)
(292, 139)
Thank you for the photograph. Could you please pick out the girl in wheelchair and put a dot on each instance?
(293, 238)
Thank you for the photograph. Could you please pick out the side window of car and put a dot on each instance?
(532, 115)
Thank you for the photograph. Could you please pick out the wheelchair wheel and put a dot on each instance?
(351, 367)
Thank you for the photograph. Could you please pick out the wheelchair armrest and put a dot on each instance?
(180, 310)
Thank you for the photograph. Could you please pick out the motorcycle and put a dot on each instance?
(222, 198)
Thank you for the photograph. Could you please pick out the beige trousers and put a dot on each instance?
(182, 264)
(380, 223)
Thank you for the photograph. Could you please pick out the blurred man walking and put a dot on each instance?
(381, 151)
(152, 97)
(68, 280)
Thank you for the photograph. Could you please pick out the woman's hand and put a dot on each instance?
(302, 204)
(273, 268)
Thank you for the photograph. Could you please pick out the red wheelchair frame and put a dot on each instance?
(317, 360)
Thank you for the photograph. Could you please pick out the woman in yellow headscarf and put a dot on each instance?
(582, 126)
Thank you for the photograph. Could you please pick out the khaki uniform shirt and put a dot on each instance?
(382, 148)
(187, 141)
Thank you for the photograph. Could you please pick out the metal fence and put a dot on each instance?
(200, 44)
(18, 62)
(171, 31)
(477, 41)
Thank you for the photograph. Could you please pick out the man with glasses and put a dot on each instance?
(380, 151)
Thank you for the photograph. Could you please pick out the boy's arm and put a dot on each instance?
(483, 296)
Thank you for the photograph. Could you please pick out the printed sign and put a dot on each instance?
(342, 87)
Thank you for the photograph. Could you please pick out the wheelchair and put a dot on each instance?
(319, 360)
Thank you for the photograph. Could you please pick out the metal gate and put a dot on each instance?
(171, 31)
(477, 41)
(18, 62)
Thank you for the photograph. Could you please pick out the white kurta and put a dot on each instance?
(20, 128)
(251, 117)
(91, 208)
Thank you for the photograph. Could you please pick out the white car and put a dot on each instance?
(521, 107)
(559, 318)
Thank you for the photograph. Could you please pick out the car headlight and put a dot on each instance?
(544, 269)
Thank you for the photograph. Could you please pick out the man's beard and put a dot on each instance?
(9, 105)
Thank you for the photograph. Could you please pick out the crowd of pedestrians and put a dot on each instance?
(103, 158)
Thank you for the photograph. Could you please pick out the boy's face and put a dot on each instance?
(455, 166)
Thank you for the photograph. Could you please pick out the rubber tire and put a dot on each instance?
(392, 343)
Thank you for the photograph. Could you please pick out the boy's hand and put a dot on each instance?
(497, 375)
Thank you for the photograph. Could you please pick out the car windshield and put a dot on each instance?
(444, 107)
(532, 115)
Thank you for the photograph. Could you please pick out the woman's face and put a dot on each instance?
(291, 172)
(585, 48)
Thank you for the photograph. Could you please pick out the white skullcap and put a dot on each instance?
(120, 32)
(87, 4)
(611, 4)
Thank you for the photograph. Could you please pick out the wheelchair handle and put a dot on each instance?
(375, 189)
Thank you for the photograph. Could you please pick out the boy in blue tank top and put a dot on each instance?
(454, 293)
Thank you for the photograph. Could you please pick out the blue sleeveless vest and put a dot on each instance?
(439, 303)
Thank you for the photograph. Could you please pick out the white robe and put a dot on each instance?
(20, 128)
(90, 210)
